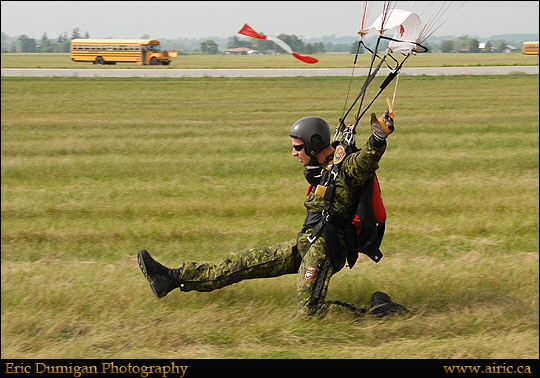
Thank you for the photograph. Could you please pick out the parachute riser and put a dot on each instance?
(383, 86)
(340, 130)
(361, 95)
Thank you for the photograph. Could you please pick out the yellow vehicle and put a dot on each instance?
(112, 51)
(530, 48)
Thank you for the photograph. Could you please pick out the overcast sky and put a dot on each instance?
(198, 19)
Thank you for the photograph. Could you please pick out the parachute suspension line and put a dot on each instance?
(385, 13)
(362, 92)
(438, 10)
(369, 79)
(436, 20)
(372, 72)
(365, 13)
(350, 81)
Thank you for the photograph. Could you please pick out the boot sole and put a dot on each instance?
(142, 265)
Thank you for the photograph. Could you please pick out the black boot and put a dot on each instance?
(162, 279)
(381, 304)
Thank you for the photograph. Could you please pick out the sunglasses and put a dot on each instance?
(298, 147)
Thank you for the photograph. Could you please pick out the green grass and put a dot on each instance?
(197, 168)
(341, 60)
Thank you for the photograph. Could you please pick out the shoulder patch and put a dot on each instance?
(339, 155)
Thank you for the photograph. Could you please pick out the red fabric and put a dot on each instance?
(378, 208)
(305, 59)
(356, 222)
(376, 201)
(248, 30)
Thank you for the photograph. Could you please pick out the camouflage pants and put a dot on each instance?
(311, 264)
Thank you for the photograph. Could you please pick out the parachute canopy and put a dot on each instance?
(248, 31)
(406, 26)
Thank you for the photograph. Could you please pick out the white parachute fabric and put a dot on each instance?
(406, 26)
(280, 43)
(408, 31)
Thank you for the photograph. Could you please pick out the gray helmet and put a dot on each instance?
(314, 131)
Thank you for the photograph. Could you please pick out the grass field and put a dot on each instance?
(57, 60)
(95, 169)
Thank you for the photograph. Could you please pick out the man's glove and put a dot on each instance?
(382, 129)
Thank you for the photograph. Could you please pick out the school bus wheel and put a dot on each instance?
(154, 61)
(99, 60)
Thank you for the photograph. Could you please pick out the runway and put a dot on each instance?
(259, 72)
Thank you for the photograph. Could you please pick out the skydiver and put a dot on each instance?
(313, 263)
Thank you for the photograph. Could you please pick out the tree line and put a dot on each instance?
(472, 45)
(25, 44)
(462, 44)
(45, 44)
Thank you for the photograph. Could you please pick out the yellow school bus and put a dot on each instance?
(530, 48)
(112, 51)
